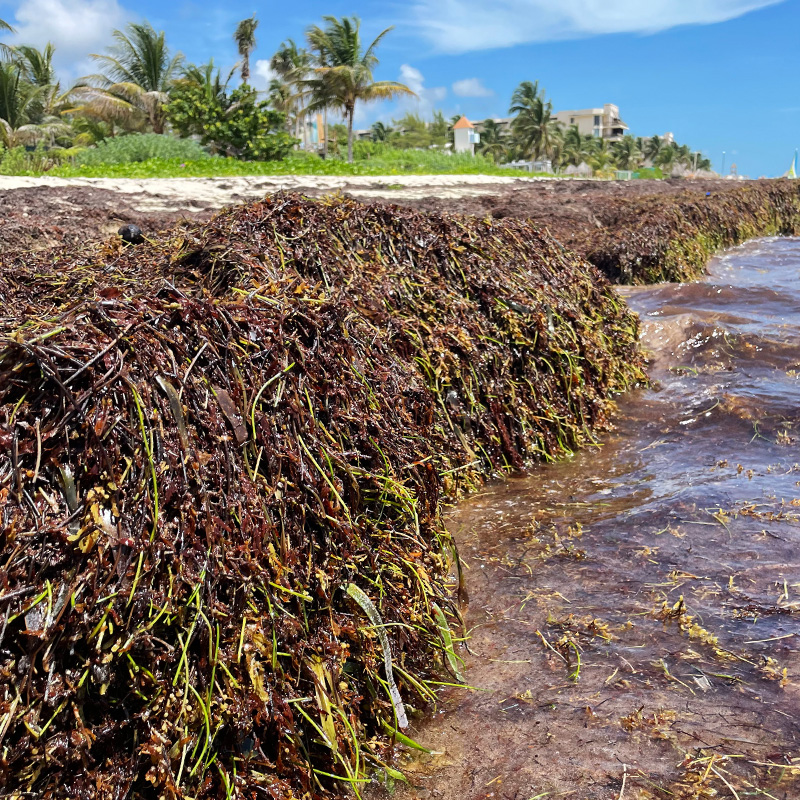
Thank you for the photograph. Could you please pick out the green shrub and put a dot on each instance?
(21, 161)
(648, 173)
(138, 147)
(13, 161)
(237, 125)
(393, 161)
(365, 150)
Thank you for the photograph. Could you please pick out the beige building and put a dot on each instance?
(603, 123)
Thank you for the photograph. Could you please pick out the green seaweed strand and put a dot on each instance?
(375, 618)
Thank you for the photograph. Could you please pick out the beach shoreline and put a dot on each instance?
(44, 211)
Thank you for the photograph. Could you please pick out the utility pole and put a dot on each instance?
(722, 172)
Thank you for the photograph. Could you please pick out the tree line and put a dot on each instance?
(534, 134)
(142, 86)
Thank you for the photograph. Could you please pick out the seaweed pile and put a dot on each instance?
(671, 237)
(224, 571)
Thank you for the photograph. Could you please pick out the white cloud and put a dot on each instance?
(426, 99)
(262, 74)
(457, 26)
(412, 78)
(75, 27)
(471, 87)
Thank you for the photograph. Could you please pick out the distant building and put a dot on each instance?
(602, 123)
(465, 137)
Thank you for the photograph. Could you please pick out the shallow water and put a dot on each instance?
(633, 611)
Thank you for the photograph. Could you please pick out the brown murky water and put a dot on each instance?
(634, 620)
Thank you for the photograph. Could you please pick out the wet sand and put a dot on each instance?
(633, 616)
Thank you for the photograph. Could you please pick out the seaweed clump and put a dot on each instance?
(224, 570)
(671, 237)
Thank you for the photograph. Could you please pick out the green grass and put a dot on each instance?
(415, 164)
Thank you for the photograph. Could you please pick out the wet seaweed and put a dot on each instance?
(222, 447)
(667, 237)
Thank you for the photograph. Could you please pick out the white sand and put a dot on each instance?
(167, 194)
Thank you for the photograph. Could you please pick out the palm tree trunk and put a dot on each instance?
(325, 132)
(350, 113)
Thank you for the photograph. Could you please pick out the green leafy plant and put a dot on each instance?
(235, 124)
(138, 147)
(20, 160)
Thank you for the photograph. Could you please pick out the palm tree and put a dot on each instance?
(15, 98)
(37, 64)
(37, 70)
(245, 38)
(281, 98)
(683, 154)
(86, 131)
(533, 126)
(134, 86)
(601, 157)
(493, 141)
(574, 146)
(4, 48)
(380, 131)
(291, 64)
(653, 147)
(208, 78)
(666, 159)
(343, 77)
(20, 103)
(557, 150)
(627, 153)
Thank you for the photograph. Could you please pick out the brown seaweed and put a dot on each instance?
(208, 438)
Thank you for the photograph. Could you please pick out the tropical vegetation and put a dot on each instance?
(535, 135)
(342, 75)
(147, 111)
(245, 38)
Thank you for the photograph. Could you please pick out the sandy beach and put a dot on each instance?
(165, 194)
(42, 211)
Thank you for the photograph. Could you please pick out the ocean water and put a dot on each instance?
(634, 615)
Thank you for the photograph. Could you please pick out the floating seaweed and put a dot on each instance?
(208, 438)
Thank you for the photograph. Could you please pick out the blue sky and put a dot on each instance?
(721, 74)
